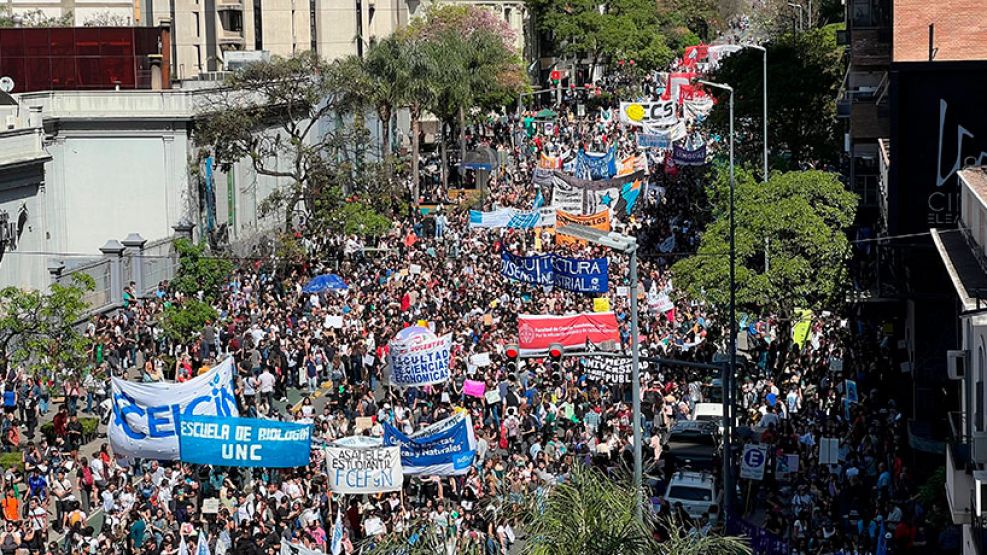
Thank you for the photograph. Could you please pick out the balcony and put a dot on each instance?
(870, 47)
(229, 5)
(959, 463)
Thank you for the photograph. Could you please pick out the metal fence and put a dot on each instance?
(145, 265)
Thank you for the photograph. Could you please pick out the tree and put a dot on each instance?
(791, 243)
(590, 512)
(180, 322)
(269, 114)
(473, 61)
(199, 272)
(33, 18)
(38, 330)
(804, 75)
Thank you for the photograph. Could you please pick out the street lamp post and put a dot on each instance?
(801, 12)
(730, 374)
(628, 245)
(764, 51)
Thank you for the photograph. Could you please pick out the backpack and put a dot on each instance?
(87, 476)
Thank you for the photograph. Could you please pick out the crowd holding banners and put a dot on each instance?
(531, 427)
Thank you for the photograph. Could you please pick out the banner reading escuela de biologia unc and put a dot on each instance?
(581, 275)
(446, 448)
(146, 415)
(223, 441)
(420, 360)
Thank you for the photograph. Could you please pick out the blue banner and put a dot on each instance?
(226, 441)
(653, 140)
(536, 270)
(683, 156)
(445, 448)
(581, 275)
(596, 166)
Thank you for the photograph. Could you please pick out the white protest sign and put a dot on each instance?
(664, 304)
(415, 269)
(829, 450)
(492, 396)
(420, 360)
(364, 470)
(480, 360)
(334, 321)
(623, 291)
(753, 462)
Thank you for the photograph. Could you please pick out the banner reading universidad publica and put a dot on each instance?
(225, 441)
(418, 357)
(446, 448)
(146, 415)
(356, 470)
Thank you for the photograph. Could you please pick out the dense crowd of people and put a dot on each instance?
(332, 347)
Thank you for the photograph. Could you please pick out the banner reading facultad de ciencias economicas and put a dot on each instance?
(608, 369)
(251, 442)
(146, 415)
(536, 333)
(356, 470)
(420, 360)
(446, 448)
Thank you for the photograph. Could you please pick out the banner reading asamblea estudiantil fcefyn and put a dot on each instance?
(446, 448)
(355, 470)
(146, 415)
(582, 275)
(254, 442)
(420, 360)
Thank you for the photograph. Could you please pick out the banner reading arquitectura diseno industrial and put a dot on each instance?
(417, 357)
(146, 416)
(582, 275)
(250, 442)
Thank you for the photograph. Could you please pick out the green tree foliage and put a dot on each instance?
(181, 322)
(268, 114)
(33, 18)
(592, 513)
(197, 271)
(473, 62)
(38, 330)
(648, 32)
(804, 75)
(790, 239)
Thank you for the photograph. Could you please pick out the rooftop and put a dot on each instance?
(960, 30)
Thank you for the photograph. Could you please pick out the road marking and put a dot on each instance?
(325, 387)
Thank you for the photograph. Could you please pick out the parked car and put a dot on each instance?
(696, 491)
(709, 412)
(692, 444)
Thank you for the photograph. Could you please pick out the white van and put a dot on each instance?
(709, 412)
(696, 491)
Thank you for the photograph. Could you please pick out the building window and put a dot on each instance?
(507, 15)
(311, 26)
(195, 21)
(198, 57)
(258, 26)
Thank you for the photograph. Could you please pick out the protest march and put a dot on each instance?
(427, 392)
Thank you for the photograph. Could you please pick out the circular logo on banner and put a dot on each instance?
(415, 335)
(525, 333)
(635, 112)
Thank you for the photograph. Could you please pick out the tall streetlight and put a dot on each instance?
(628, 245)
(730, 375)
(801, 12)
(765, 52)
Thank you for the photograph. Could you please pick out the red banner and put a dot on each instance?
(536, 332)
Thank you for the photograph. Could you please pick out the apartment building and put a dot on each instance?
(203, 31)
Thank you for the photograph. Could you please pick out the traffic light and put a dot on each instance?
(513, 354)
(555, 356)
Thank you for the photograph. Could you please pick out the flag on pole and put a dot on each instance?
(337, 534)
(203, 546)
(539, 201)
